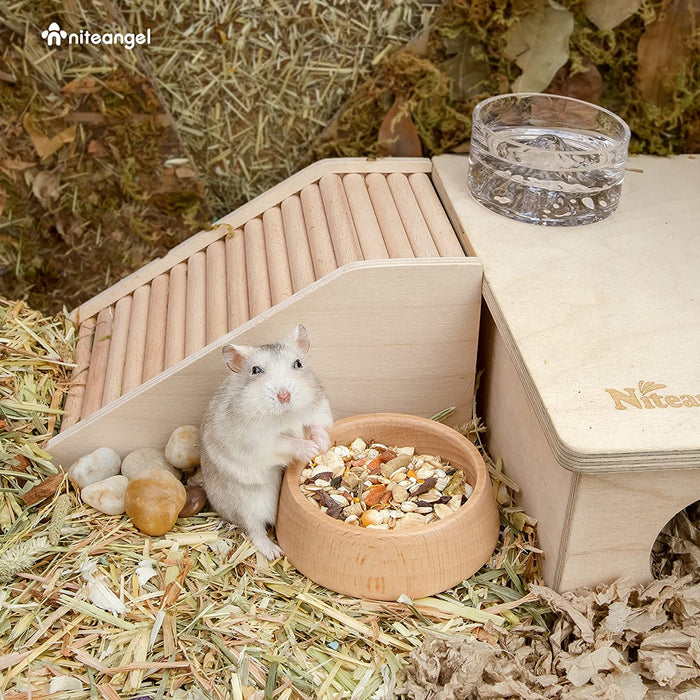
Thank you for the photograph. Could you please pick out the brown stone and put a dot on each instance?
(196, 498)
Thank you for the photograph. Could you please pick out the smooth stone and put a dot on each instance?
(182, 449)
(106, 495)
(96, 466)
(154, 501)
(136, 463)
(195, 499)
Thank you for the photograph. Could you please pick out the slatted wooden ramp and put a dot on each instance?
(359, 251)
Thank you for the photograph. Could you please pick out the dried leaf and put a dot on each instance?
(82, 86)
(44, 145)
(45, 186)
(586, 85)
(397, 133)
(466, 69)
(539, 45)
(663, 48)
(606, 14)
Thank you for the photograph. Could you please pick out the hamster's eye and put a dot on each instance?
(256, 370)
(297, 364)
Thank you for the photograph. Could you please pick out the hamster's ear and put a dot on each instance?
(235, 357)
(299, 338)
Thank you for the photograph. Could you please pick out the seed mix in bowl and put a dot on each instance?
(377, 487)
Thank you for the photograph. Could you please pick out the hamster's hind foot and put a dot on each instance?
(267, 547)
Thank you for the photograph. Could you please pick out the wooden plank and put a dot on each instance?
(155, 332)
(615, 520)
(360, 371)
(259, 297)
(515, 434)
(216, 301)
(177, 311)
(387, 214)
(236, 280)
(340, 224)
(92, 399)
(79, 376)
(117, 351)
(301, 264)
(136, 342)
(196, 314)
(240, 216)
(276, 253)
(444, 236)
(411, 216)
(320, 241)
(368, 232)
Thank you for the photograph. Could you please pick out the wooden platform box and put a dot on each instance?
(591, 349)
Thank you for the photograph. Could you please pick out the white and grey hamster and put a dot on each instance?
(270, 411)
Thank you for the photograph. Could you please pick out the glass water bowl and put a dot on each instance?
(546, 159)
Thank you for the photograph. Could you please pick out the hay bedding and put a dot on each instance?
(90, 608)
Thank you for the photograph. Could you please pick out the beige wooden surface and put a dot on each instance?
(600, 307)
(377, 345)
(592, 527)
(383, 565)
(615, 520)
(514, 433)
(240, 216)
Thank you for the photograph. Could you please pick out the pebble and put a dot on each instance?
(195, 499)
(154, 501)
(136, 463)
(107, 495)
(96, 466)
(182, 449)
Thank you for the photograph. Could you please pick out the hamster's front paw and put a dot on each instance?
(268, 548)
(320, 436)
(303, 450)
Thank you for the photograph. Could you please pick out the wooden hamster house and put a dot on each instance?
(360, 251)
(592, 380)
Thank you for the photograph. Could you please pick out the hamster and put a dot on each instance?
(269, 412)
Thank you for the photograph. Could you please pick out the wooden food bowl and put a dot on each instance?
(381, 564)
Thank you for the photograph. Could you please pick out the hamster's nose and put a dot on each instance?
(283, 396)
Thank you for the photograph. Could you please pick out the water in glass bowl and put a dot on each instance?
(546, 175)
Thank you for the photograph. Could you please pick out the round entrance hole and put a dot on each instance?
(676, 550)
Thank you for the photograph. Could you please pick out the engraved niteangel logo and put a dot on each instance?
(54, 34)
(646, 395)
